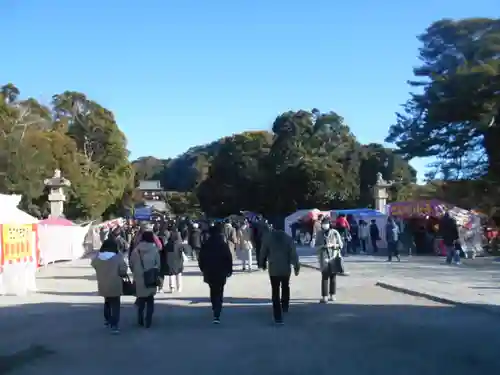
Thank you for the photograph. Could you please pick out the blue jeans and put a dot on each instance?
(452, 254)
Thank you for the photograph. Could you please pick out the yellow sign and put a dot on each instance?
(16, 242)
(410, 209)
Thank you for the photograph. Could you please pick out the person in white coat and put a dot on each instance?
(328, 245)
(245, 247)
(364, 235)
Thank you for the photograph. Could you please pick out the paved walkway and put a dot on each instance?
(369, 330)
(475, 284)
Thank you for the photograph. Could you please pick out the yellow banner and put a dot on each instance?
(16, 242)
(410, 209)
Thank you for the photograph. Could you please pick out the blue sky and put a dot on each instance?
(179, 73)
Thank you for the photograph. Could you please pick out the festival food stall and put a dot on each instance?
(61, 239)
(306, 218)
(303, 216)
(18, 247)
(366, 214)
(426, 213)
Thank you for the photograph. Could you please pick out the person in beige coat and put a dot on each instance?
(231, 237)
(110, 267)
(245, 247)
(144, 257)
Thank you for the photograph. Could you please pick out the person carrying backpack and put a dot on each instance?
(329, 244)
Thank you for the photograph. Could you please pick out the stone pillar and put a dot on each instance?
(56, 196)
(381, 194)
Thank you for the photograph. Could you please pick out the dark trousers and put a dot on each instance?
(146, 304)
(374, 245)
(112, 311)
(257, 251)
(328, 283)
(280, 295)
(392, 249)
(362, 241)
(196, 253)
(217, 296)
(161, 282)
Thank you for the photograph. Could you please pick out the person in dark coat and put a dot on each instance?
(449, 232)
(194, 241)
(118, 236)
(216, 264)
(183, 230)
(172, 261)
(205, 233)
(164, 236)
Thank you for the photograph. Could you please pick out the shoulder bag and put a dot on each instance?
(151, 276)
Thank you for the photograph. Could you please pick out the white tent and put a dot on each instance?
(17, 278)
(10, 214)
(296, 216)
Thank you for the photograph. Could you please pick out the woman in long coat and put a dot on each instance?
(245, 247)
(172, 264)
(216, 264)
(143, 258)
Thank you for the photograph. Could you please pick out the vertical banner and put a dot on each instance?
(36, 244)
(17, 243)
(1, 247)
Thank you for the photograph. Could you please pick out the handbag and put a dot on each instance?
(151, 276)
(338, 264)
(128, 286)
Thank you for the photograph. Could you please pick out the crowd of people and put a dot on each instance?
(356, 235)
(157, 254)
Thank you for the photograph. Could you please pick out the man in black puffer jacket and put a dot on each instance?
(194, 241)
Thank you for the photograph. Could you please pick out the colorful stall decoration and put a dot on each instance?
(417, 208)
(19, 243)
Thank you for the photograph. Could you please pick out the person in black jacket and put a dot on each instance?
(205, 233)
(449, 232)
(118, 236)
(183, 230)
(195, 240)
(216, 264)
(374, 235)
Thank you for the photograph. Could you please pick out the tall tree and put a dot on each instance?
(76, 135)
(454, 116)
(106, 171)
(235, 180)
(310, 160)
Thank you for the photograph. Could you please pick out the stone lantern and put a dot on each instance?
(381, 194)
(56, 197)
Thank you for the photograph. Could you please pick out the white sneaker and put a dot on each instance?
(332, 298)
(323, 300)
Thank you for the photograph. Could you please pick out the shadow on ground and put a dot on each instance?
(190, 270)
(351, 338)
(81, 277)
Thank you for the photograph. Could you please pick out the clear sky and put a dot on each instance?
(179, 73)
